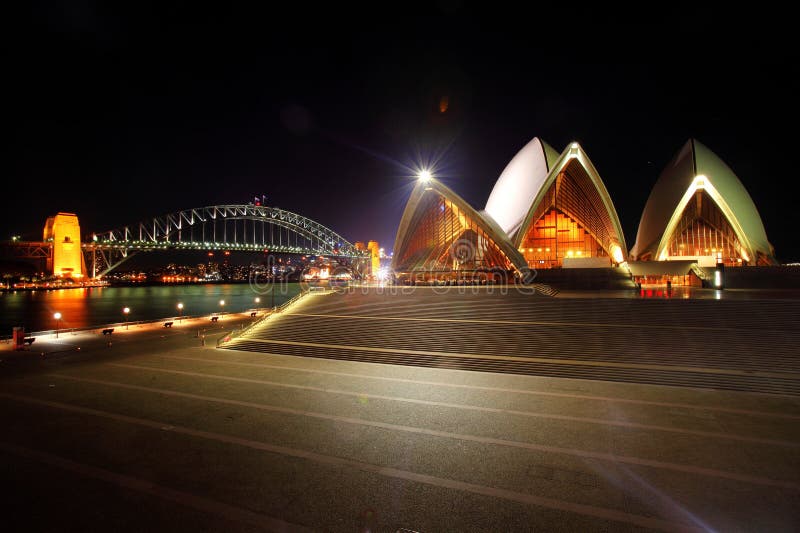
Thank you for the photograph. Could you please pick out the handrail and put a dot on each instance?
(700, 272)
(120, 325)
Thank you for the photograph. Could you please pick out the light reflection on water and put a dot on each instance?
(103, 305)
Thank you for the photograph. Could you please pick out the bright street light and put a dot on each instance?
(180, 312)
(57, 316)
(424, 175)
(126, 310)
(222, 306)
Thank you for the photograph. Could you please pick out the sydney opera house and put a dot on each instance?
(552, 211)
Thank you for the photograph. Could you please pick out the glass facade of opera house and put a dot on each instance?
(550, 210)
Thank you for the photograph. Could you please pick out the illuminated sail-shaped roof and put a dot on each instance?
(440, 232)
(575, 197)
(518, 185)
(696, 172)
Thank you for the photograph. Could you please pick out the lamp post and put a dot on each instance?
(180, 312)
(125, 311)
(57, 316)
(222, 307)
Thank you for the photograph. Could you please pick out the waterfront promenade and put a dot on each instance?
(472, 420)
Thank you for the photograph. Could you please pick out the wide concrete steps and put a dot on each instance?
(732, 345)
(585, 278)
(536, 368)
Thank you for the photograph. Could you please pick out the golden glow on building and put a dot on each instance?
(443, 238)
(375, 256)
(562, 237)
(64, 232)
(698, 209)
(546, 210)
(570, 219)
(703, 231)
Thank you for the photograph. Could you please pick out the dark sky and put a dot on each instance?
(118, 114)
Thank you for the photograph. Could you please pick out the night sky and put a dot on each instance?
(119, 114)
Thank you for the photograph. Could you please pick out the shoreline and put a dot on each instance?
(238, 320)
(138, 284)
(261, 312)
(255, 313)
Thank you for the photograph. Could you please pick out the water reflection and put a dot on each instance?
(103, 305)
(687, 292)
(661, 291)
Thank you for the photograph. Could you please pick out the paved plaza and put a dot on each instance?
(428, 411)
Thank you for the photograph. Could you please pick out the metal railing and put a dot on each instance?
(115, 325)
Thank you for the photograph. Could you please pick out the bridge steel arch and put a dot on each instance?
(243, 227)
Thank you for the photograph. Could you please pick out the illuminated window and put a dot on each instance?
(570, 221)
(704, 229)
(443, 239)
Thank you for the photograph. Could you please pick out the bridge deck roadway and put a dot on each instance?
(161, 433)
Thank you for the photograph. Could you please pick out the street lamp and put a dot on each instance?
(222, 307)
(424, 175)
(180, 312)
(57, 316)
(125, 311)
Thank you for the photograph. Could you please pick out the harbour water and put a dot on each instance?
(80, 308)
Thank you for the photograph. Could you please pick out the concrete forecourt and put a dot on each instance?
(459, 410)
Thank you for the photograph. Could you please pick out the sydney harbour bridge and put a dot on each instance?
(235, 227)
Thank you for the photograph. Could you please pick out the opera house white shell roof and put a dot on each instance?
(517, 187)
(574, 156)
(526, 185)
(539, 182)
(696, 167)
(407, 254)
